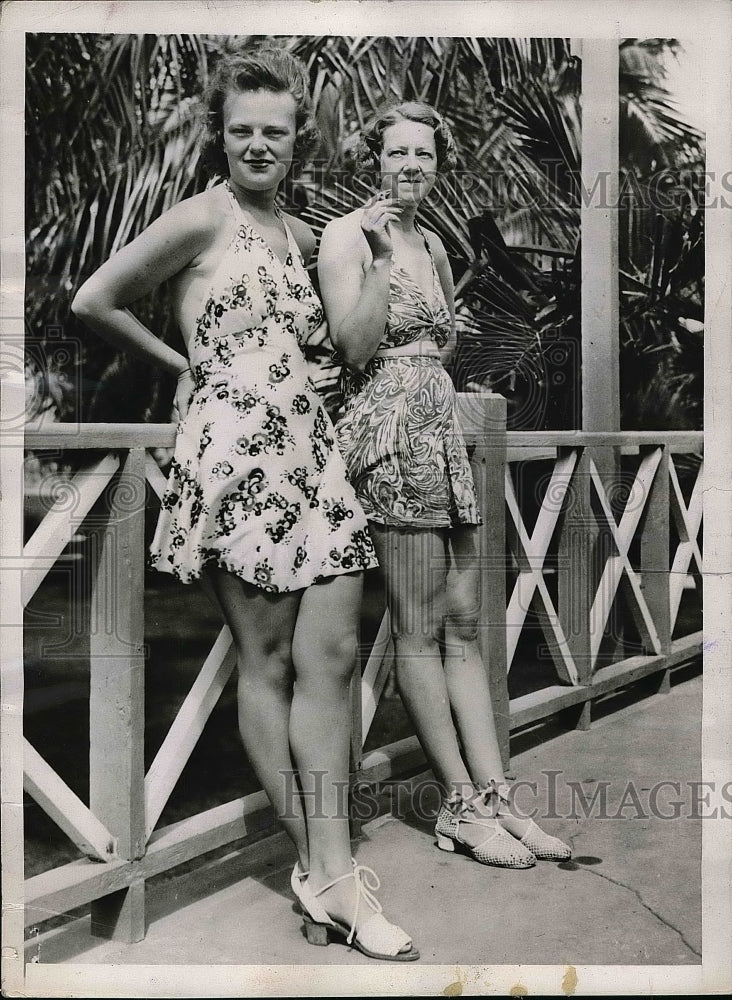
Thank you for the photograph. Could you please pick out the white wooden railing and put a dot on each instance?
(649, 554)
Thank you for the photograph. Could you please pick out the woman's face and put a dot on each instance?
(408, 160)
(259, 137)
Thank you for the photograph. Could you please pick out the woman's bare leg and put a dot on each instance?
(465, 672)
(262, 626)
(324, 654)
(413, 567)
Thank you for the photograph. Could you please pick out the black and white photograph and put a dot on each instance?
(366, 498)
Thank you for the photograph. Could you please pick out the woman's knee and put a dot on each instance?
(463, 610)
(464, 627)
(330, 650)
(326, 633)
(418, 620)
(413, 638)
(269, 663)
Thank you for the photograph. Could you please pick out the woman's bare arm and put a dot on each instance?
(356, 300)
(164, 249)
(304, 236)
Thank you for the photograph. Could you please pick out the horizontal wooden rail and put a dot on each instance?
(80, 882)
(389, 762)
(540, 705)
(677, 441)
(112, 436)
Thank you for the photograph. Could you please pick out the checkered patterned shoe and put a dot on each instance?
(499, 847)
(544, 846)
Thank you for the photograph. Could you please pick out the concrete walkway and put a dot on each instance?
(631, 896)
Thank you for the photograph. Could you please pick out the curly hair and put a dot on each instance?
(371, 140)
(266, 68)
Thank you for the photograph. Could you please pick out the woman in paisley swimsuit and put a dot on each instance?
(388, 294)
(258, 501)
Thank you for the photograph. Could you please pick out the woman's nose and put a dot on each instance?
(258, 140)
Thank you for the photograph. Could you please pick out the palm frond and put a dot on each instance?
(111, 125)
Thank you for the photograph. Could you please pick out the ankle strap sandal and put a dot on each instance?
(376, 938)
(498, 848)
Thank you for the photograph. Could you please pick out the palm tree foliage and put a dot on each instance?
(112, 141)
(661, 246)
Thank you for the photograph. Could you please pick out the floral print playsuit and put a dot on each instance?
(257, 485)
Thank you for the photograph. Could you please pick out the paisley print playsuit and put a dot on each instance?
(399, 431)
(257, 485)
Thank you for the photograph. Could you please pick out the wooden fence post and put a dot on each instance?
(489, 469)
(116, 708)
(599, 226)
(356, 750)
(654, 557)
(576, 579)
(12, 418)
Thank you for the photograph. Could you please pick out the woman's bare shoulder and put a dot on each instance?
(436, 245)
(303, 234)
(189, 229)
(349, 223)
(202, 213)
(344, 234)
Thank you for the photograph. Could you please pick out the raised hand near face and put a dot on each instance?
(378, 212)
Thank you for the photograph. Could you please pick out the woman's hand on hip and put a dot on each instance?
(378, 212)
(183, 393)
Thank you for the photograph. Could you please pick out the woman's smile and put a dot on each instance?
(259, 137)
(258, 164)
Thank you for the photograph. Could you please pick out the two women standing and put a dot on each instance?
(258, 499)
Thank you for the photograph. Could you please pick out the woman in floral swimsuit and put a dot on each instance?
(388, 294)
(257, 498)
